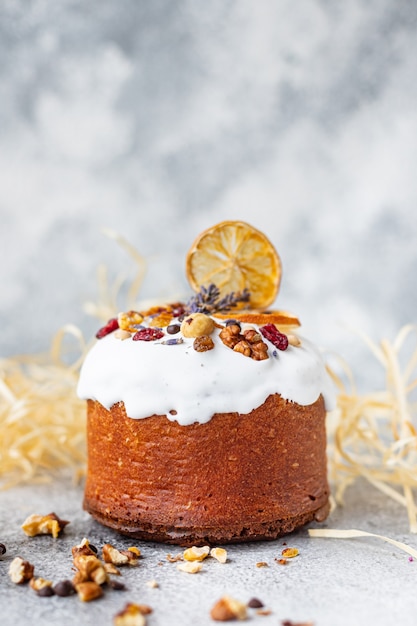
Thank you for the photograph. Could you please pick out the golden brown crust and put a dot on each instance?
(236, 478)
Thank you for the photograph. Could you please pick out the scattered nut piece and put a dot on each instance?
(220, 554)
(174, 559)
(263, 612)
(120, 557)
(88, 591)
(112, 569)
(191, 567)
(20, 570)
(83, 548)
(281, 561)
(196, 325)
(90, 568)
(49, 524)
(227, 609)
(196, 554)
(289, 553)
(131, 615)
(262, 564)
(153, 584)
(38, 583)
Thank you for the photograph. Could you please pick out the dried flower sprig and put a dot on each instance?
(208, 300)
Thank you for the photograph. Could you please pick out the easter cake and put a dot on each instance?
(206, 418)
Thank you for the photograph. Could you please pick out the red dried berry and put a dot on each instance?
(110, 327)
(148, 334)
(271, 332)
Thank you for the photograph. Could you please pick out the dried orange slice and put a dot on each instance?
(279, 318)
(234, 255)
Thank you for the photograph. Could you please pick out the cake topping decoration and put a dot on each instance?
(110, 327)
(273, 335)
(235, 257)
(148, 334)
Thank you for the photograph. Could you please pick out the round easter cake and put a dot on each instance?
(206, 418)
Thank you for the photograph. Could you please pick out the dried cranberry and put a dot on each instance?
(111, 326)
(271, 332)
(148, 334)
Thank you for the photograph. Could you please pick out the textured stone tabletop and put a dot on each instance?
(330, 583)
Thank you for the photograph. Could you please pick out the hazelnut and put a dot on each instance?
(196, 325)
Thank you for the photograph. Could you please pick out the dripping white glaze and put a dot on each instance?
(153, 378)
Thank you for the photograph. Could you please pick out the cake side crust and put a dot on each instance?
(236, 478)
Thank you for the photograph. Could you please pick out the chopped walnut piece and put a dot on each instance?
(131, 615)
(249, 343)
(90, 568)
(196, 554)
(120, 557)
(153, 584)
(262, 564)
(230, 335)
(243, 347)
(39, 583)
(227, 609)
(20, 570)
(174, 559)
(190, 567)
(88, 591)
(220, 554)
(111, 569)
(263, 612)
(49, 524)
(83, 548)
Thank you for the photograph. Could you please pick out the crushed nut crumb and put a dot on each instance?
(220, 554)
(227, 609)
(289, 553)
(130, 615)
(190, 567)
(196, 554)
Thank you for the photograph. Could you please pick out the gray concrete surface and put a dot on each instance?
(331, 582)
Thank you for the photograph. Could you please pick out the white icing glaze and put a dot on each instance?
(153, 378)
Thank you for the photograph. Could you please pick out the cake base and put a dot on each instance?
(236, 478)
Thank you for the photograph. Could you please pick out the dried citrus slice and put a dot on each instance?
(234, 255)
(279, 318)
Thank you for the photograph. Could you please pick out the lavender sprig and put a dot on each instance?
(208, 300)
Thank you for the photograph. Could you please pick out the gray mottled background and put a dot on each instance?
(158, 119)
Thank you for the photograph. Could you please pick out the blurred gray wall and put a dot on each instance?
(159, 118)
